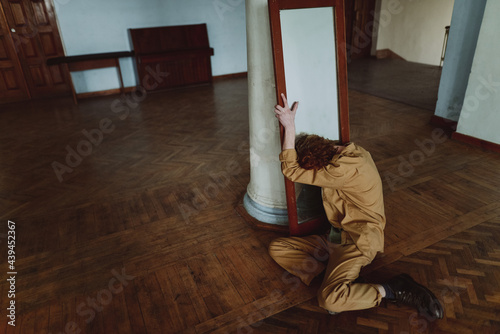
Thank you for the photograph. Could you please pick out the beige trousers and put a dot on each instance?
(304, 257)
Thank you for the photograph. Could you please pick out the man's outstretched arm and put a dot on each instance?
(286, 117)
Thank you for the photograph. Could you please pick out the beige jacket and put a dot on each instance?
(352, 194)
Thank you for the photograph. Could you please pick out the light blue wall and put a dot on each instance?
(480, 116)
(96, 26)
(464, 30)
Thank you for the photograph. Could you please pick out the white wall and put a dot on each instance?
(480, 115)
(464, 32)
(96, 26)
(414, 29)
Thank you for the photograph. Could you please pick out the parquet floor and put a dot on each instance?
(142, 236)
(388, 78)
(463, 271)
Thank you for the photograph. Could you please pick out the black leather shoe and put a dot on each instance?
(407, 291)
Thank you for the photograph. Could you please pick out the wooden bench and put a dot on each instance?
(90, 62)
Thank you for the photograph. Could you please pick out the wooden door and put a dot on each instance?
(36, 37)
(12, 84)
(359, 26)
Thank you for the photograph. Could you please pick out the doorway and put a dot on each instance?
(359, 27)
(28, 37)
(407, 52)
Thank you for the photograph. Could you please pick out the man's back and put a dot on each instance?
(352, 194)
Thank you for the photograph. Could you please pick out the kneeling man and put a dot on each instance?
(353, 201)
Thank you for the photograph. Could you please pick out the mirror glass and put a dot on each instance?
(309, 56)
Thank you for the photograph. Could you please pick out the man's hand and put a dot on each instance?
(286, 117)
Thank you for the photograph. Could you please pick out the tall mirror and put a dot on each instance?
(308, 38)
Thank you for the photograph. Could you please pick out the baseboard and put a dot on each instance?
(230, 76)
(476, 142)
(113, 91)
(387, 53)
(116, 91)
(447, 125)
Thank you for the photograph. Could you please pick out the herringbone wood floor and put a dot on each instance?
(143, 236)
(463, 271)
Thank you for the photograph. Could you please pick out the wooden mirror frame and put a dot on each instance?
(316, 224)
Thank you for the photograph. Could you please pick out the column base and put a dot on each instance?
(265, 214)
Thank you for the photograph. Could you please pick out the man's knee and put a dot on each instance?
(277, 246)
(334, 298)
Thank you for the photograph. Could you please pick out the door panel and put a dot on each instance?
(10, 79)
(359, 27)
(362, 28)
(48, 45)
(40, 14)
(36, 38)
(18, 13)
(12, 85)
(37, 76)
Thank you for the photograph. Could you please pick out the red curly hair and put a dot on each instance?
(313, 151)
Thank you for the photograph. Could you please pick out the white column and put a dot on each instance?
(265, 199)
(464, 31)
(480, 116)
